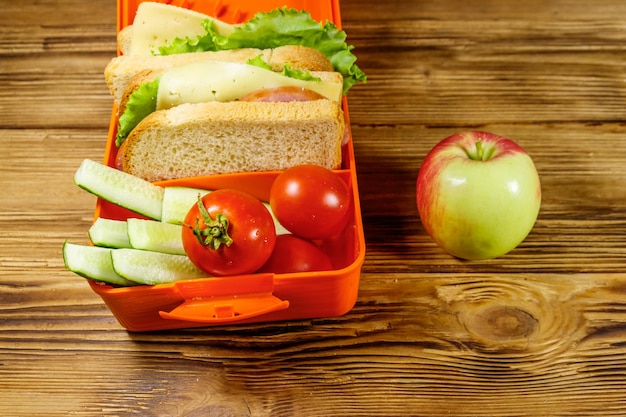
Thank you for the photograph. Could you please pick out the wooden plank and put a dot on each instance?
(475, 72)
(518, 344)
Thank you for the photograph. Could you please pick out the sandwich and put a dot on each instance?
(160, 29)
(208, 101)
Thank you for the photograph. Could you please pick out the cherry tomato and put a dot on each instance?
(310, 201)
(295, 254)
(228, 232)
(119, 157)
(278, 94)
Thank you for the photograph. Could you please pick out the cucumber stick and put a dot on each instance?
(92, 262)
(120, 188)
(155, 236)
(167, 204)
(177, 201)
(109, 233)
(153, 268)
(136, 233)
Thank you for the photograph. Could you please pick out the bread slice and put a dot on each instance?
(217, 138)
(124, 40)
(122, 69)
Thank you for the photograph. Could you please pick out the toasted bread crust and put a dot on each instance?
(301, 57)
(216, 138)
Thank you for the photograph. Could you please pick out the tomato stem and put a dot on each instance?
(215, 232)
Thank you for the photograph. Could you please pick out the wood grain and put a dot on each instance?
(538, 332)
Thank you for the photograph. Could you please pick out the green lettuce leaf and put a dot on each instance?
(277, 28)
(258, 61)
(287, 71)
(140, 104)
(298, 73)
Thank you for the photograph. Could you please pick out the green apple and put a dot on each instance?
(478, 195)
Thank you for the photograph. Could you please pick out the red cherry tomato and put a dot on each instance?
(119, 157)
(282, 94)
(229, 232)
(310, 201)
(295, 254)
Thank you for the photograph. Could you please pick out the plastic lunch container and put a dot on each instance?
(247, 298)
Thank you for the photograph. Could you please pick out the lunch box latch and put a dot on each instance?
(214, 301)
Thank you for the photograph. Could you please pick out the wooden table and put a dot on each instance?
(538, 332)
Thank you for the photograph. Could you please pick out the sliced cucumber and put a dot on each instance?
(92, 262)
(120, 188)
(109, 233)
(155, 236)
(177, 201)
(152, 268)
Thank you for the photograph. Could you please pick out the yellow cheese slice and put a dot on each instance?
(205, 81)
(158, 24)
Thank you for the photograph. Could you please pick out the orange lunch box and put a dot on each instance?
(246, 298)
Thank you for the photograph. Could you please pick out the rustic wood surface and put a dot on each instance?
(538, 332)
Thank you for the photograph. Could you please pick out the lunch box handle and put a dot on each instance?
(214, 302)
